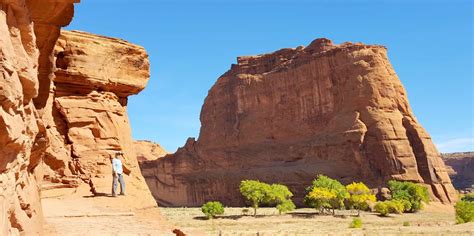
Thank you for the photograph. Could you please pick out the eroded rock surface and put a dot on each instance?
(147, 150)
(28, 32)
(284, 117)
(460, 167)
(86, 117)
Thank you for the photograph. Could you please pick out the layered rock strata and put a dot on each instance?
(285, 117)
(147, 150)
(28, 32)
(86, 118)
(461, 169)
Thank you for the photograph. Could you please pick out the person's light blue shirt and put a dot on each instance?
(117, 166)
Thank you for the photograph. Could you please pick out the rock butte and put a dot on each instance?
(64, 110)
(284, 117)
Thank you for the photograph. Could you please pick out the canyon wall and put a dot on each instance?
(86, 116)
(147, 150)
(28, 32)
(461, 169)
(285, 117)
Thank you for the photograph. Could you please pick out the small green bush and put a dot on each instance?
(356, 223)
(211, 209)
(413, 195)
(464, 212)
(392, 206)
(406, 223)
(468, 197)
(285, 206)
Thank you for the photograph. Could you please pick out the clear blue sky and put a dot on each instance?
(191, 43)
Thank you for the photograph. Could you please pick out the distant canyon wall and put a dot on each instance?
(461, 169)
(287, 116)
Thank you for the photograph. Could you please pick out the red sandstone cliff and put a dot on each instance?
(285, 117)
(64, 111)
(86, 116)
(147, 150)
(28, 32)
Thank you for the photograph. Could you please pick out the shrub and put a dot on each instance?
(325, 192)
(285, 206)
(356, 223)
(320, 198)
(258, 193)
(412, 194)
(468, 197)
(255, 192)
(406, 223)
(392, 206)
(360, 196)
(382, 208)
(278, 193)
(211, 209)
(464, 212)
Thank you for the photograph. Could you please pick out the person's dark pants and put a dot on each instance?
(118, 178)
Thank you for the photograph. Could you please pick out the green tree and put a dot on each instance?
(255, 192)
(464, 212)
(285, 206)
(280, 196)
(332, 194)
(320, 198)
(211, 209)
(413, 195)
(360, 196)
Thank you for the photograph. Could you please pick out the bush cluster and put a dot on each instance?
(212, 209)
(411, 194)
(329, 194)
(258, 193)
(392, 206)
(464, 211)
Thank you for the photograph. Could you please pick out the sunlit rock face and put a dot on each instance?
(86, 116)
(285, 117)
(148, 150)
(28, 32)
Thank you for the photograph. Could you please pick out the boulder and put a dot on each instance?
(148, 150)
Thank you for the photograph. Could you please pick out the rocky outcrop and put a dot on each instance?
(147, 150)
(86, 116)
(28, 32)
(338, 110)
(460, 166)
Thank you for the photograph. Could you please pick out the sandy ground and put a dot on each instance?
(75, 212)
(437, 219)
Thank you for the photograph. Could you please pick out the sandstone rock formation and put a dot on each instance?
(147, 150)
(460, 166)
(338, 110)
(28, 32)
(86, 116)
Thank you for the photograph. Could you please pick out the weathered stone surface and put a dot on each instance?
(284, 117)
(86, 115)
(22, 40)
(147, 150)
(460, 166)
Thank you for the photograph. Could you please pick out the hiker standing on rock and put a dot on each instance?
(117, 173)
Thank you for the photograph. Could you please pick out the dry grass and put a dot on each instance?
(435, 220)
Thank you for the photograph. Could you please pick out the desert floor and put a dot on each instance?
(436, 219)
